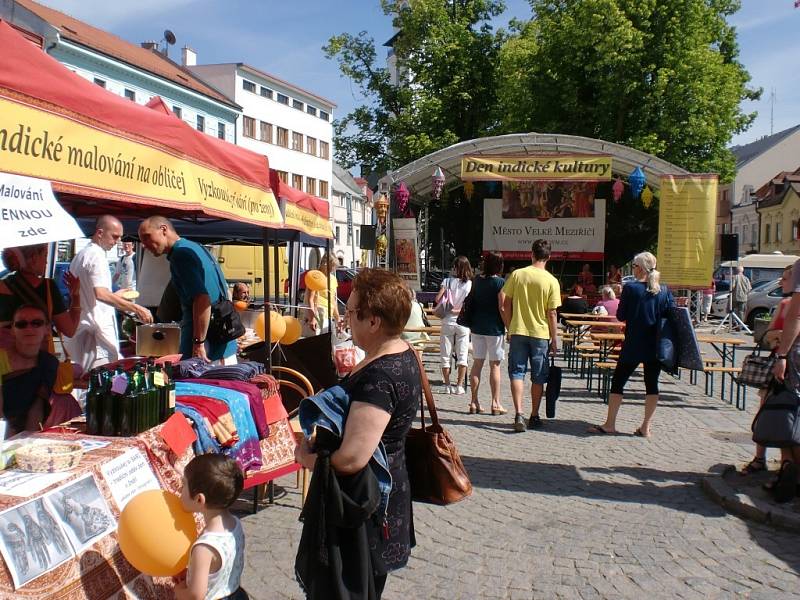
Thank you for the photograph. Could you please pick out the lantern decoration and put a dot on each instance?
(155, 533)
(437, 183)
(647, 196)
(381, 244)
(617, 189)
(401, 196)
(382, 208)
(637, 180)
(469, 190)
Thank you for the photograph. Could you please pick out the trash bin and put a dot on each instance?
(760, 325)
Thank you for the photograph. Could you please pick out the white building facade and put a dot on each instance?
(291, 126)
(350, 203)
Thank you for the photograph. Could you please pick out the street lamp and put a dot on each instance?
(437, 183)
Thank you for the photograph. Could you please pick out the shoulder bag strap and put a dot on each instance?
(426, 393)
(218, 271)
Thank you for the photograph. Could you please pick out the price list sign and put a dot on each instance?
(686, 229)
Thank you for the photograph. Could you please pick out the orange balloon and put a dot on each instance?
(156, 534)
(316, 280)
(277, 326)
(293, 330)
(240, 305)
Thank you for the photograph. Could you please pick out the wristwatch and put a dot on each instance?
(781, 356)
(198, 341)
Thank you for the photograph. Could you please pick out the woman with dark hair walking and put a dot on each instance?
(488, 330)
(641, 307)
(457, 286)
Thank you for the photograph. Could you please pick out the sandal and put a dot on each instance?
(599, 429)
(499, 410)
(640, 433)
(754, 466)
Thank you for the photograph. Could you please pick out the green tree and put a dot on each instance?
(661, 76)
(446, 52)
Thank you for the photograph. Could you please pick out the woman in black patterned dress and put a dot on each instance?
(384, 392)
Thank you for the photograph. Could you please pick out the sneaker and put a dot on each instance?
(519, 423)
(460, 391)
(535, 422)
(446, 389)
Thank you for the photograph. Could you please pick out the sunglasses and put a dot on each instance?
(35, 323)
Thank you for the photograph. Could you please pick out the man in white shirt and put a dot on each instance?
(96, 342)
(125, 274)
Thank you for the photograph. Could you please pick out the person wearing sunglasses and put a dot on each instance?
(27, 372)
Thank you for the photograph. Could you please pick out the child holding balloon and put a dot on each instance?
(211, 484)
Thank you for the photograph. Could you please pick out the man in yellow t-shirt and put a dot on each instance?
(529, 312)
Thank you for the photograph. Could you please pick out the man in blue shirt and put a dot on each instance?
(197, 279)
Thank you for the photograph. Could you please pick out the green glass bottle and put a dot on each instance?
(93, 406)
(170, 385)
(126, 404)
(110, 422)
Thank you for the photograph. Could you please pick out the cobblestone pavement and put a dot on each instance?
(558, 513)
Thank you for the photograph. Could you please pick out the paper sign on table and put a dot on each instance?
(178, 434)
(127, 475)
(24, 483)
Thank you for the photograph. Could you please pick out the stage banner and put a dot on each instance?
(84, 159)
(406, 251)
(30, 214)
(564, 213)
(574, 167)
(686, 230)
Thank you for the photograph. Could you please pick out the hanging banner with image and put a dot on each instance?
(687, 230)
(406, 251)
(564, 213)
(550, 167)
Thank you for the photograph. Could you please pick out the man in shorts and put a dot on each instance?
(529, 312)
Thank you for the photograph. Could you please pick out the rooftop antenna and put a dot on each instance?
(170, 40)
(772, 99)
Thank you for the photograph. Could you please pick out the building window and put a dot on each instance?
(266, 132)
(298, 105)
(266, 92)
(283, 99)
(297, 141)
(100, 82)
(311, 186)
(130, 94)
(283, 137)
(311, 146)
(323, 189)
(311, 110)
(249, 127)
(358, 235)
(744, 234)
(767, 232)
(337, 234)
(754, 232)
(794, 230)
(177, 111)
(221, 130)
(283, 176)
(324, 116)
(248, 86)
(297, 182)
(349, 236)
(324, 150)
(778, 232)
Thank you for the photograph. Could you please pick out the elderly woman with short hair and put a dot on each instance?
(384, 390)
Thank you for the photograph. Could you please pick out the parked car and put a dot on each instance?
(719, 306)
(762, 301)
(344, 280)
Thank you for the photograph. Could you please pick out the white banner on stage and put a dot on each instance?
(30, 214)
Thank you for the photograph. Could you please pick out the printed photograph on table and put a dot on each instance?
(82, 512)
(32, 542)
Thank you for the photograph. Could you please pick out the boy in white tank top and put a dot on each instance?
(211, 484)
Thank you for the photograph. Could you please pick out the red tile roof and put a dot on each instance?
(106, 43)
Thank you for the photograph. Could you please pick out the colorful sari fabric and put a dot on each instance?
(247, 451)
(217, 417)
(205, 442)
(253, 394)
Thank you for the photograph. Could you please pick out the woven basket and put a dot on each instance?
(49, 457)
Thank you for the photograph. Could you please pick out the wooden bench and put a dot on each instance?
(731, 372)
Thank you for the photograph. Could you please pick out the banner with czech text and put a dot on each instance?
(80, 158)
(575, 167)
(307, 221)
(687, 218)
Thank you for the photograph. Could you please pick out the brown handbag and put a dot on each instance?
(435, 470)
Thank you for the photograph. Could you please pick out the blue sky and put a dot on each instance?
(285, 39)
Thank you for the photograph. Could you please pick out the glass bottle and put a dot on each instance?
(93, 403)
(170, 390)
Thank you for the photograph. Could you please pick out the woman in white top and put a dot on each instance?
(457, 286)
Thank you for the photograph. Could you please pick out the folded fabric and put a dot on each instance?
(218, 416)
(243, 371)
(190, 368)
(205, 442)
(253, 396)
(246, 452)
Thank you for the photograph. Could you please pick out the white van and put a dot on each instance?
(757, 267)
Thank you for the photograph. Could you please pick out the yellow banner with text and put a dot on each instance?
(687, 216)
(576, 167)
(307, 221)
(43, 144)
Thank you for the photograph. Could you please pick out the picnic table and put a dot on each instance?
(607, 342)
(725, 346)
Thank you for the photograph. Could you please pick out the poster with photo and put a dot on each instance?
(32, 541)
(81, 510)
(406, 251)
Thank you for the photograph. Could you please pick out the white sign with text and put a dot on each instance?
(30, 214)
(127, 475)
